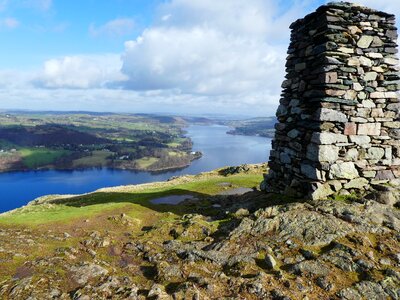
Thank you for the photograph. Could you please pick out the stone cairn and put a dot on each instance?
(338, 118)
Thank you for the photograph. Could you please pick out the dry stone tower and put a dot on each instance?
(338, 118)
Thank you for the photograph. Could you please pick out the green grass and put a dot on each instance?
(43, 214)
(97, 159)
(176, 153)
(177, 142)
(37, 157)
(345, 198)
(135, 200)
(146, 162)
(173, 145)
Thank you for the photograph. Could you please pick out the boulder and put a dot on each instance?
(84, 273)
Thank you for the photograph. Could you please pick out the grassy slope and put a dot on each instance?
(134, 200)
(97, 211)
(98, 158)
(146, 162)
(35, 157)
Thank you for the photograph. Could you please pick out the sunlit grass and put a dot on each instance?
(133, 199)
(97, 158)
(146, 162)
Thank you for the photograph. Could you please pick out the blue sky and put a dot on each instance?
(48, 29)
(174, 56)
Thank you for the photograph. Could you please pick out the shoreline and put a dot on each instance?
(257, 135)
(134, 170)
(170, 182)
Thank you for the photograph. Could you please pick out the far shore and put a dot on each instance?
(125, 168)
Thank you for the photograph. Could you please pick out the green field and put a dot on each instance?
(146, 162)
(36, 157)
(96, 159)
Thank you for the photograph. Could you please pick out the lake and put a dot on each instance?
(219, 149)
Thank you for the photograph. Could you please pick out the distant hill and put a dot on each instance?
(255, 126)
(78, 140)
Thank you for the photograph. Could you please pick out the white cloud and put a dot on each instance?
(165, 18)
(234, 16)
(12, 79)
(80, 72)
(114, 28)
(199, 56)
(9, 23)
(227, 53)
(200, 61)
(115, 100)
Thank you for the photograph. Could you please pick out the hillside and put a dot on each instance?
(255, 126)
(80, 140)
(226, 241)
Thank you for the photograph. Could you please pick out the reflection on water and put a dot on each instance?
(219, 149)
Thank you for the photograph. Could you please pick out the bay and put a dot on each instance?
(219, 149)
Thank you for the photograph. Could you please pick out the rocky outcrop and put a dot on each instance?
(276, 250)
(339, 122)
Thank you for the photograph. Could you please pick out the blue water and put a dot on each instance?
(219, 149)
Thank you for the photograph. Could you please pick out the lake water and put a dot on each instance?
(219, 149)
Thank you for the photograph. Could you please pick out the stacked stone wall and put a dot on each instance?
(338, 118)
